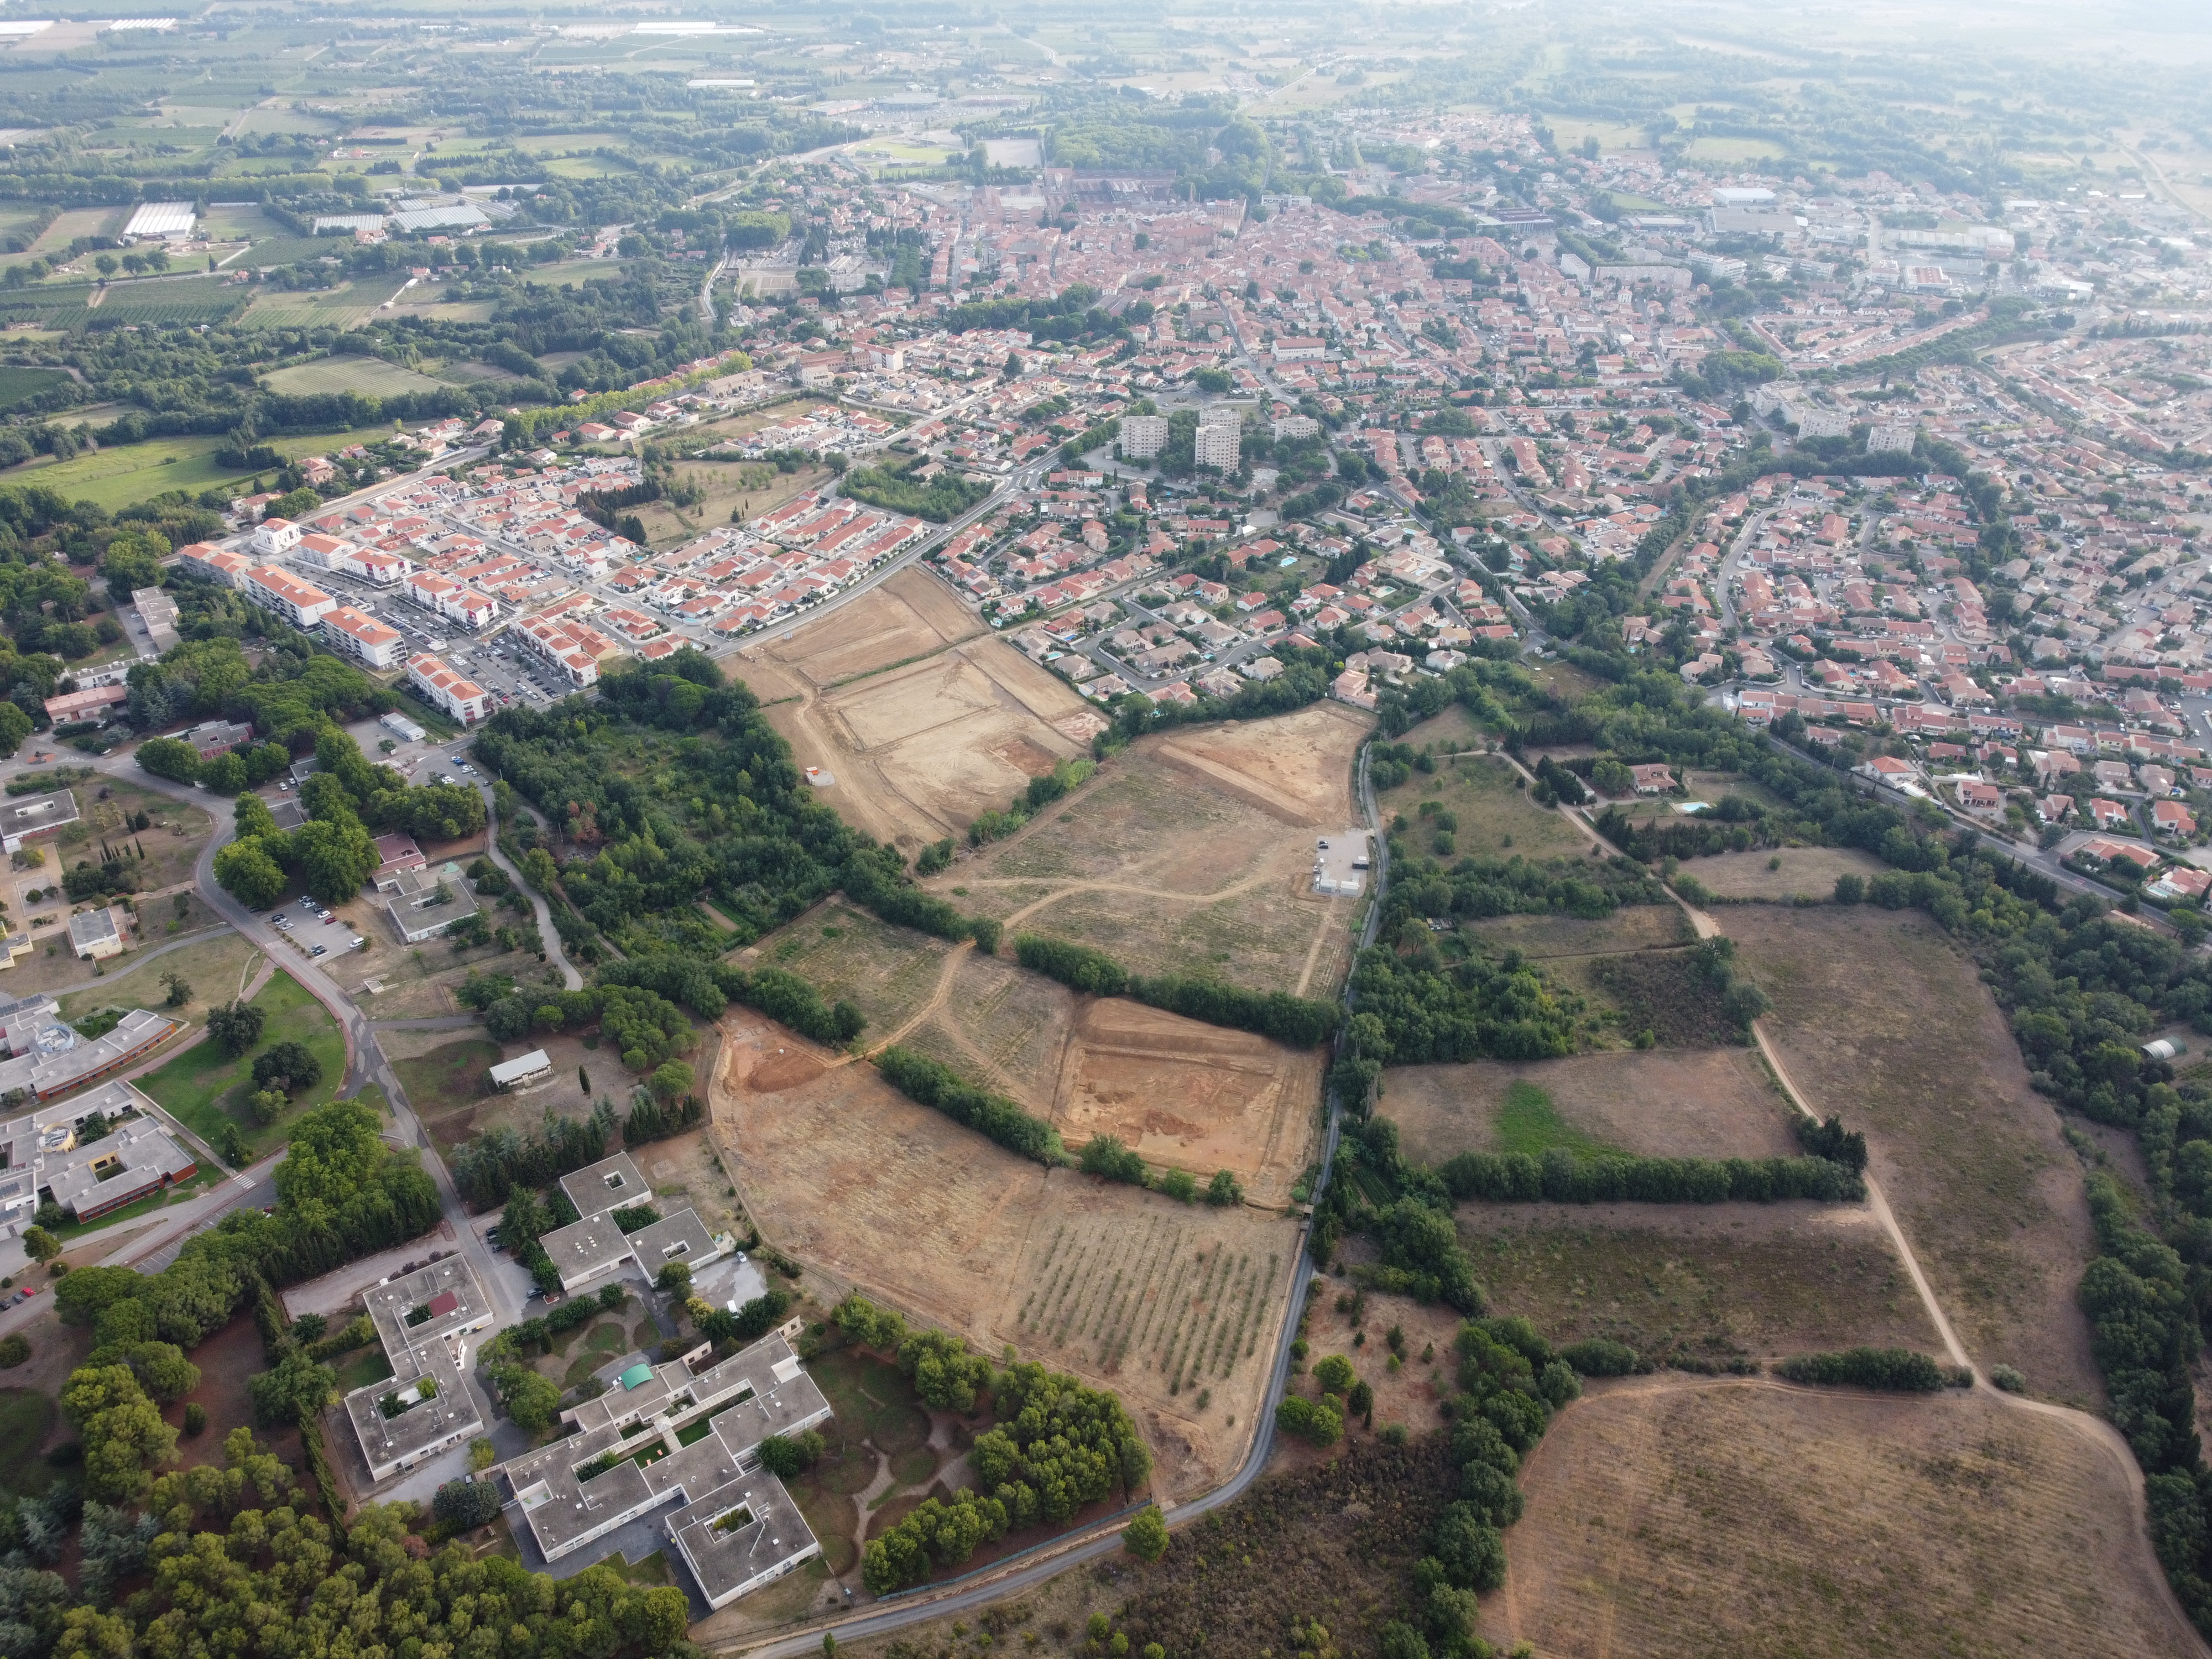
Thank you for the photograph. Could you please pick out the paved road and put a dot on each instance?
(548, 935)
(365, 1060)
(902, 1613)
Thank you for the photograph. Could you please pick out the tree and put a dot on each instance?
(675, 1278)
(236, 1025)
(1147, 1537)
(789, 1456)
(40, 1245)
(290, 1067)
(170, 757)
(335, 859)
(123, 1436)
(179, 988)
(671, 1081)
(162, 1370)
(292, 1391)
(14, 726)
(249, 874)
(466, 1505)
(530, 1400)
(267, 1105)
(1223, 1190)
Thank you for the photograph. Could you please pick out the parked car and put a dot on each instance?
(320, 950)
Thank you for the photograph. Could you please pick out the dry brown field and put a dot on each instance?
(890, 974)
(1799, 872)
(1496, 819)
(1656, 1102)
(1879, 1019)
(923, 725)
(1705, 1283)
(1635, 927)
(1668, 1516)
(1164, 1302)
(1190, 853)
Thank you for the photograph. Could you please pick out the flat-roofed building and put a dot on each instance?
(679, 1237)
(403, 728)
(58, 1061)
(1143, 436)
(302, 603)
(612, 1183)
(585, 1250)
(463, 699)
(91, 1154)
(214, 738)
(93, 935)
(360, 636)
(423, 903)
(34, 816)
(424, 1320)
(396, 854)
(133, 1161)
(634, 1450)
(158, 611)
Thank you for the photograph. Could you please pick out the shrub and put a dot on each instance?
(935, 1084)
(1318, 1421)
(1897, 1369)
(1106, 1156)
(2008, 1379)
(14, 1349)
(1600, 1357)
(195, 1418)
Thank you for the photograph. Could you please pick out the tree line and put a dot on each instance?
(1298, 1022)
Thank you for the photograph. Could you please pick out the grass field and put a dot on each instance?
(207, 1088)
(1634, 928)
(346, 306)
(121, 474)
(1712, 1103)
(1783, 873)
(888, 973)
(1691, 1284)
(214, 967)
(18, 384)
(371, 376)
(1880, 1020)
(450, 1079)
(1495, 818)
(1668, 1517)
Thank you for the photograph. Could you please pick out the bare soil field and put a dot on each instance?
(1414, 1393)
(923, 725)
(1704, 1285)
(1797, 872)
(1879, 1019)
(1635, 927)
(1190, 1097)
(1495, 819)
(1191, 853)
(1668, 1516)
(1708, 1103)
(1161, 1302)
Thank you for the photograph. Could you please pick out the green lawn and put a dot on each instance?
(207, 1088)
(26, 1419)
(368, 1365)
(124, 474)
(1528, 1122)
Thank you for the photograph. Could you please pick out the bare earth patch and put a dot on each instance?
(1128, 1289)
(1701, 1103)
(1668, 1517)
(1879, 1019)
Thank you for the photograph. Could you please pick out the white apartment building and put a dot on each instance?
(274, 535)
(215, 564)
(1216, 446)
(302, 603)
(463, 699)
(363, 638)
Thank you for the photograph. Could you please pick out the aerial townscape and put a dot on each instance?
(1272, 834)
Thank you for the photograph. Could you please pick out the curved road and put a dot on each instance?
(900, 1614)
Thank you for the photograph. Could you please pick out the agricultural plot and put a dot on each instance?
(1878, 1018)
(1692, 1285)
(1495, 817)
(371, 376)
(344, 307)
(1785, 873)
(918, 751)
(1668, 1516)
(871, 1189)
(1712, 1102)
(1190, 853)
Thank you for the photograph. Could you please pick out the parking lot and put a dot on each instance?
(508, 672)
